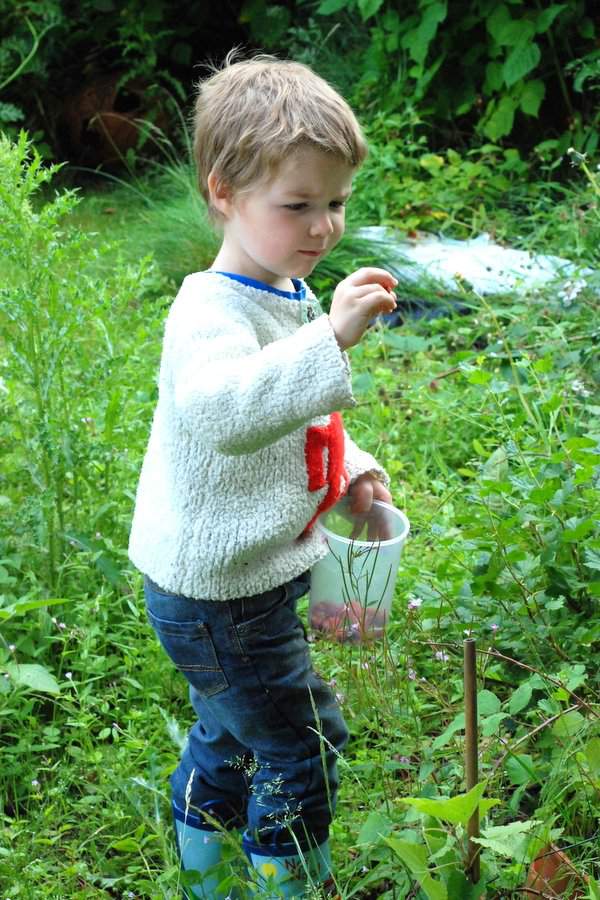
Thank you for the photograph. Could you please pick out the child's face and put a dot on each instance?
(283, 227)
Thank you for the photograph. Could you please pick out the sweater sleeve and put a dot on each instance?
(358, 462)
(240, 396)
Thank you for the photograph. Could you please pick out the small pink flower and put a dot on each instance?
(441, 655)
(414, 602)
(494, 627)
(412, 674)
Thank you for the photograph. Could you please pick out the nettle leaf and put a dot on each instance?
(547, 16)
(376, 826)
(520, 769)
(500, 116)
(520, 698)
(457, 724)
(592, 753)
(498, 19)
(490, 724)
(457, 810)
(592, 559)
(414, 857)
(368, 8)
(514, 32)
(520, 61)
(34, 676)
(327, 7)
(581, 530)
(487, 703)
(507, 840)
(534, 92)
(423, 35)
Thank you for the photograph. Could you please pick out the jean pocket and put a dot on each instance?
(191, 647)
(258, 612)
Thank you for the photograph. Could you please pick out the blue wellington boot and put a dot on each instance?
(200, 847)
(283, 872)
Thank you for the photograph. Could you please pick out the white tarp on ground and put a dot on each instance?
(488, 267)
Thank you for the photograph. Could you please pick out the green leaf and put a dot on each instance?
(547, 16)
(514, 32)
(498, 19)
(531, 98)
(423, 35)
(520, 61)
(327, 7)
(507, 840)
(520, 769)
(499, 123)
(368, 8)
(592, 753)
(520, 698)
(23, 606)
(569, 724)
(405, 343)
(479, 376)
(126, 845)
(488, 703)
(377, 825)
(592, 559)
(414, 857)
(33, 676)
(572, 535)
(493, 78)
(594, 888)
(457, 810)
(457, 724)
(459, 886)
(102, 560)
(489, 725)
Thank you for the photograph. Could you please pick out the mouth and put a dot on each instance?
(313, 253)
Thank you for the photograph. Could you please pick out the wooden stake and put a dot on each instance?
(471, 762)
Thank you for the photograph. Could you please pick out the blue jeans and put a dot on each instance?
(264, 745)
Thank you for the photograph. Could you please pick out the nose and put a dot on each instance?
(321, 225)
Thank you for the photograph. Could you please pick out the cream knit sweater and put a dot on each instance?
(238, 462)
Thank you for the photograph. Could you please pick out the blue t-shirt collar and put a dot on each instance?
(298, 294)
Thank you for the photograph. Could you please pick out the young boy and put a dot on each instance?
(246, 450)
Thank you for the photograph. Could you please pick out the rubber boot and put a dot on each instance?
(283, 872)
(200, 846)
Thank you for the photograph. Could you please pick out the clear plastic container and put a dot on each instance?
(353, 586)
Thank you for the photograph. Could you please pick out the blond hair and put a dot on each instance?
(251, 114)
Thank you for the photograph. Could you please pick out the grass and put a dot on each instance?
(487, 422)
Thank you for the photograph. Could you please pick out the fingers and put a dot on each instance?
(373, 299)
(373, 274)
(362, 493)
(361, 496)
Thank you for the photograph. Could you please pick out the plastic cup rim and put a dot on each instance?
(396, 540)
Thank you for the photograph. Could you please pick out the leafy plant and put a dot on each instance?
(55, 334)
(486, 64)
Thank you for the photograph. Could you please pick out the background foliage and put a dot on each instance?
(475, 71)
(484, 409)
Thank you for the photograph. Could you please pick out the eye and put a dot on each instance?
(296, 207)
(337, 204)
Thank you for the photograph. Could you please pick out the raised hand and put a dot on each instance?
(357, 299)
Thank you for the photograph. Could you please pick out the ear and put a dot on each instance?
(220, 194)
